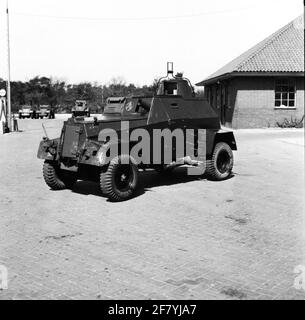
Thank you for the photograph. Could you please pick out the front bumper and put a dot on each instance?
(42, 114)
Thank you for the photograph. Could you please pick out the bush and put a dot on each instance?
(292, 123)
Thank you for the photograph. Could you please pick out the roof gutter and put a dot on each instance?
(249, 74)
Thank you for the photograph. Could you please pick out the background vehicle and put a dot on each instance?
(43, 111)
(80, 109)
(26, 112)
(80, 151)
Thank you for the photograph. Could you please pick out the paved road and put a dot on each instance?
(180, 238)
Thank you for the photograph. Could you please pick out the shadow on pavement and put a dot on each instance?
(147, 181)
(87, 188)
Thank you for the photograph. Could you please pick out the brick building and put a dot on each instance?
(265, 84)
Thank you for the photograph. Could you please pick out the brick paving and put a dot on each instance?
(180, 238)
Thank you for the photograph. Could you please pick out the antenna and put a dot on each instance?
(45, 131)
(170, 68)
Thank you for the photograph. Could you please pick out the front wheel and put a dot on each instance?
(120, 180)
(220, 166)
(56, 178)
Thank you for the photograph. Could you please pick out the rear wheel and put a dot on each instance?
(120, 180)
(220, 166)
(56, 178)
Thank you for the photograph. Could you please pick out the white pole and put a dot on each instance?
(9, 110)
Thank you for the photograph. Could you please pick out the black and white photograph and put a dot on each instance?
(152, 152)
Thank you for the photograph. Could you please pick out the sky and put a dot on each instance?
(98, 40)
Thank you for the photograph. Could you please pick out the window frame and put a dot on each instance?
(280, 83)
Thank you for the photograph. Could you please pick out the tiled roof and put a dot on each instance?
(283, 51)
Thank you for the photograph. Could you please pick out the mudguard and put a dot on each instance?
(226, 136)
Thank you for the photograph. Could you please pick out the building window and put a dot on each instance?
(284, 93)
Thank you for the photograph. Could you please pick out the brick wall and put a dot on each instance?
(252, 102)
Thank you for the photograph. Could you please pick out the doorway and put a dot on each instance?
(223, 102)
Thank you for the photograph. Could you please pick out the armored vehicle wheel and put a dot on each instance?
(56, 178)
(219, 167)
(119, 181)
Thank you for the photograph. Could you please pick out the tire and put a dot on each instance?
(119, 181)
(56, 178)
(220, 166)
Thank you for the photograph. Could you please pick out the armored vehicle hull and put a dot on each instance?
(170, 129)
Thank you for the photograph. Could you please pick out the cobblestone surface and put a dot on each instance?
(180, 238)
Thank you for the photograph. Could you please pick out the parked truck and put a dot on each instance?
(27, 111)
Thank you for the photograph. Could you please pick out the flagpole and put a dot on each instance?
(9, 110)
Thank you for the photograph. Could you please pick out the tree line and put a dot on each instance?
(61, 95)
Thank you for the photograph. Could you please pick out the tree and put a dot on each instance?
(58, 93)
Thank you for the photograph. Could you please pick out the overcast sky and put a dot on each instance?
(96, 40)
